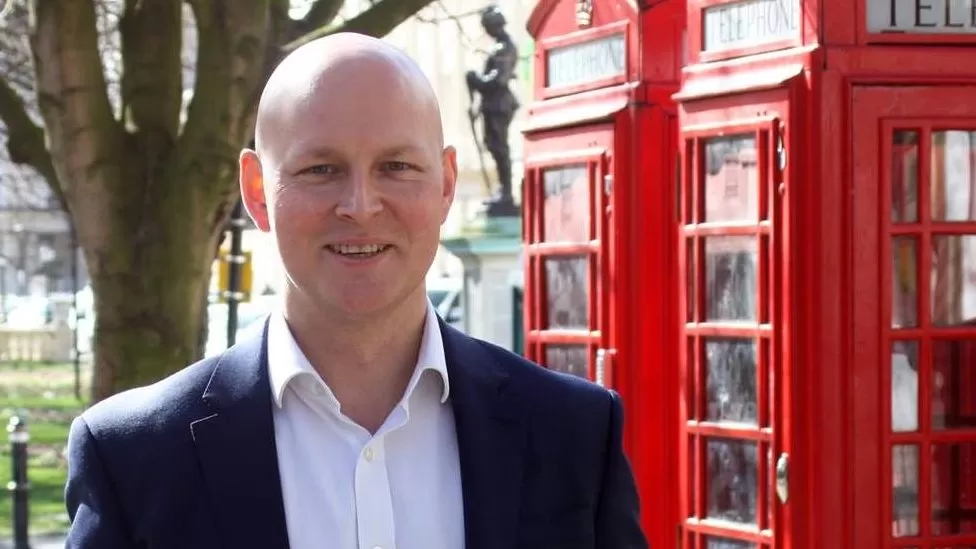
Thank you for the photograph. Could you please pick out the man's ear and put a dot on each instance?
(450, 169)
(252, 189)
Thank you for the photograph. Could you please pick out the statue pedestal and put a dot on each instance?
(490, 248)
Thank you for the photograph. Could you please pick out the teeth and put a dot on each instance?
(350, 249)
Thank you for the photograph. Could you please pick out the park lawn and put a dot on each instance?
(46, 392)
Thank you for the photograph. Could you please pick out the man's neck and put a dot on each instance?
(367, 363)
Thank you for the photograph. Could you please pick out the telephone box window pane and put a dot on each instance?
(904, 387)
(904, 282)
(731, 179)
(692, 477)
(954, 385)
(953, 175)
(731, 380)
(954, 489)
(691, 381)
(770, 492)
(732, 278)
(570, 359)
(904, 495)
(733, 480)
(712, 542)
(904, 176)
(566, 204)
(691, 265)
(567, 292)
(953, 280)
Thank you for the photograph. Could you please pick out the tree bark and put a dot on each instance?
(150, 293)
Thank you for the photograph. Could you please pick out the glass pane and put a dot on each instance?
(731, 380)
(692, 477)
(904, 176)
(904, 482)
(765, 276)
(570, 359)
(732, 480)
(904, 283)
(954, 489)
(566, 204)
(567, 292)
(904, 386)
(731, 283)
(691, 264)
(769, 415)
(691, 382)
(954, 384)
(731, 179)
(771, 498)
(712, 542)
(953, 176)
(953, 282)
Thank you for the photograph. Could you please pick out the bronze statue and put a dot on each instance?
(498, 106)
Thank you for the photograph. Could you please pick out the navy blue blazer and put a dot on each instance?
(190, 462)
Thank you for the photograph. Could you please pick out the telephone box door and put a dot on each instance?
(566, 222)
(733, 255)
(914, 363)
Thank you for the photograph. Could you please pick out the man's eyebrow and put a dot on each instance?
(311, 153)
(402, 150)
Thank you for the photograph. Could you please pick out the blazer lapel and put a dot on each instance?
(491, 441)
(236, 448)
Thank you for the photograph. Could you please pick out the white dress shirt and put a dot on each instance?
(346, 489)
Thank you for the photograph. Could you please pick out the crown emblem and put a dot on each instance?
(584, 13)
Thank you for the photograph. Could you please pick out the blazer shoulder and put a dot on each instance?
(151, 408)
(543, 385)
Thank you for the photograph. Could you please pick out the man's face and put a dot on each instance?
(356, 186)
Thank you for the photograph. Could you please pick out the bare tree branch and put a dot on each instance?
(322, 13)
(377, 20)
(25, 140)
(152, 76)
(83, 134)
(231, 35)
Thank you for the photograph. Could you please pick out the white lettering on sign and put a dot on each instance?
(586, 62)
(750, 23)
(922, 16)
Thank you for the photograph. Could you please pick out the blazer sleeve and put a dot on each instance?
(618, 514)
(93, 506)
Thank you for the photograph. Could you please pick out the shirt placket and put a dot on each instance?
(374, 505)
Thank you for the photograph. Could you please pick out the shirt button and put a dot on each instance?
(368, 454)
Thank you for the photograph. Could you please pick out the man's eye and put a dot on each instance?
(397, 166)
(322, 169)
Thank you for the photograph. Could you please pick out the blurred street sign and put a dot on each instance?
(223, 276)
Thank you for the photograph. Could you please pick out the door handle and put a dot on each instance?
(783, 478)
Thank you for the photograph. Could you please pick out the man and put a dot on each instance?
(356, 418)
(498, 106)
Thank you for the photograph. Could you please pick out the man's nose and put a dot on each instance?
(360, 199)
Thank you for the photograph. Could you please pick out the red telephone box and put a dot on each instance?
(827, 269)
(599, 203)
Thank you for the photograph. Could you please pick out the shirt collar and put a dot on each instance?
(286, 361)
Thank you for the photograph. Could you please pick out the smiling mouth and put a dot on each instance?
(358, 252)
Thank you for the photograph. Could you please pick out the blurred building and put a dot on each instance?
(36, 248)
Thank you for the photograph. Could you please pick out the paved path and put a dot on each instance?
(46, 542)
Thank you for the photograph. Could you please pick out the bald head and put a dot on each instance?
(343, 71)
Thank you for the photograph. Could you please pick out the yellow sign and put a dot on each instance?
(223, 276)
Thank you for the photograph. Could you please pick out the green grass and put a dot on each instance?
(46, 394)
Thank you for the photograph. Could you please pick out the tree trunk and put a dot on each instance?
(150, 279)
